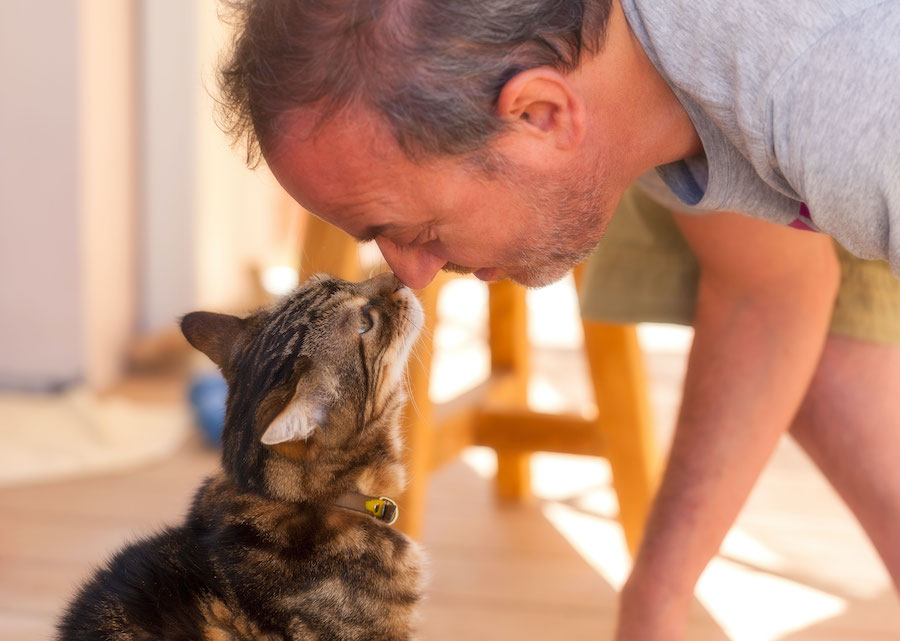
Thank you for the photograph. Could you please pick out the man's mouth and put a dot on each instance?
(487, 274)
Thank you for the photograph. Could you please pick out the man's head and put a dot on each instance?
(432, 69)
(453, 132)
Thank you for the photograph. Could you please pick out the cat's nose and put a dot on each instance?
(386, 283)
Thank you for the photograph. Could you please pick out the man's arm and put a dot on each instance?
(764, 301)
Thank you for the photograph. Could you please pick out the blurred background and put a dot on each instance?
(123, 208)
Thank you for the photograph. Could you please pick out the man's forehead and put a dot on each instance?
(330, 153)
(358, 128)
(344, 171)
(350, 171)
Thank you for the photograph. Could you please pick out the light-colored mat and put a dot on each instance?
(57, 436)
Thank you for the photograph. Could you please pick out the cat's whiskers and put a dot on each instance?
(428, 343)
(416, 356)
(429, 350)
(409, 394)
(426, 331)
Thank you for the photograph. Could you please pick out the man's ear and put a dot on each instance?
(545, 104)
(219, 336)
(298, 420)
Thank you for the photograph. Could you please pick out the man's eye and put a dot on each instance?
(365, 322)
(424, 236)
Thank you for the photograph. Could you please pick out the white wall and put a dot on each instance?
(207, 220)
(40, 287)
(122, 205)
(67, 188)
(237, 211)
(169, 87)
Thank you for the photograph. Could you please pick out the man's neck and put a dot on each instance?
(672, 133)
(629, 97)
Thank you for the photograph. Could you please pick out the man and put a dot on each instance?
(497, 137)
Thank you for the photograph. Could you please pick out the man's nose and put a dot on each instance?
(415, 266)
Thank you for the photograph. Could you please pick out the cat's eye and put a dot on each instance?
(365, 321)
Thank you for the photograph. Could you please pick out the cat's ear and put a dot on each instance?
(297, 421)
(219, 336)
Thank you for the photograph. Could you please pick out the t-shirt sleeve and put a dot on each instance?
(834, 119)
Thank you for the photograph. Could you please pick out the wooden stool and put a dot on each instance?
(495, 413)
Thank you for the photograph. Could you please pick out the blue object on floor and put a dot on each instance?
(207, 397)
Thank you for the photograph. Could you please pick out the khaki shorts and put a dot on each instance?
(644, 271)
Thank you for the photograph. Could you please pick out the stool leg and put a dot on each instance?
(418, 423)
(618, 379)
(508, 342)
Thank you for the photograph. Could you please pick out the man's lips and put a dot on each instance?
(487, 273)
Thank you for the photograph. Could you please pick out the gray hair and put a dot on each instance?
(432, 68)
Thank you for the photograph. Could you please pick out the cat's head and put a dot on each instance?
(315, 386)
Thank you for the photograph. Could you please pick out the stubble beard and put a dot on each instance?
(571, 214)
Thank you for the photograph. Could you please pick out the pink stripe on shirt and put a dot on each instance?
(798, 223)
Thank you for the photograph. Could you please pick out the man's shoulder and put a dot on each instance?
(834, 132)
(795, 102)
(701, 44)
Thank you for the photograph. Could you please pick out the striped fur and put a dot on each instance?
(263, 553)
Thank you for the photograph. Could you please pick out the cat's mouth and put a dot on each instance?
(410, 321)
(413, 319)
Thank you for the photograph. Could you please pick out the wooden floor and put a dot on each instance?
(497, 572)
(795, 567)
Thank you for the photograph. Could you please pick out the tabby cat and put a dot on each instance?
(291, 539)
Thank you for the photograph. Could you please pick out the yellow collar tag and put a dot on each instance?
(383, 509)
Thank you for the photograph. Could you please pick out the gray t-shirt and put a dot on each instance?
(795, 101)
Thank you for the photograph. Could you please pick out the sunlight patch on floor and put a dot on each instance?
(749, 604)
(740, 545)
(747, 590)
(756, 606)
(598, 541)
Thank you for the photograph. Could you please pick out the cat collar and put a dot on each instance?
(382, 508)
